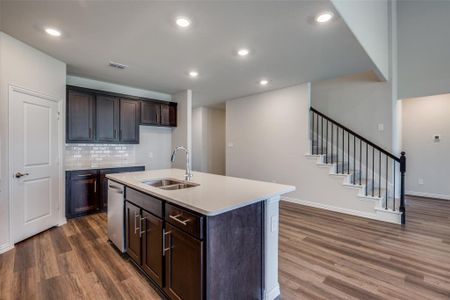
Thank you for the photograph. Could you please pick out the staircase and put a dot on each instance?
(373, 172)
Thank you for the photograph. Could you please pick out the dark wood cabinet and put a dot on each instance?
(152, 262)
(80, 120)
(107, 119)
(133, 231)
(82, 193)
(94, 116)
(129, 121)
(159, 113)
(184, 265)
(150, 113)
(87, 190)
(190, 256)
(169, 114)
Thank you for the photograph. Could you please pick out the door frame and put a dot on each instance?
(61, 138)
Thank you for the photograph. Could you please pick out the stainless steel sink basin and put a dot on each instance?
(170, 184)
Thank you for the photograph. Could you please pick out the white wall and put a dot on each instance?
(267, 136)
(369, 22)
(358, 101)
(182, 134)
(208, 140)
(26, 67)
(198, 145)
(424, 48)
(422, 118)
(155, 144)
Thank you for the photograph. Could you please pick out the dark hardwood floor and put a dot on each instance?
(326, 255)
(323, 255)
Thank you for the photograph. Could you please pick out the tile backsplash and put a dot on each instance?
(98, 154)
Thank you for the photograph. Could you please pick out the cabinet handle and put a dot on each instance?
(115, 133)
(141, 232)
(164, 241)
(184, 222)
(135, 223)
(90, 132)
(84, 175)
(95, 186)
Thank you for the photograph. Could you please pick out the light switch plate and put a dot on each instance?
(274, 224)
(381, 127)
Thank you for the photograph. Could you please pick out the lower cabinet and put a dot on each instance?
(184, 265)
(81, 193)
(87, 190)
(144, 244)
(133, 231)
(152, 249)
(190, 256)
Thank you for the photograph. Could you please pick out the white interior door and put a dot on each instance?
(34, 163)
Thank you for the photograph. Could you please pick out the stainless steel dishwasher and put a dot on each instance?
(116, 226)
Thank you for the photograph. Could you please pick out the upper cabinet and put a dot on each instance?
(129, 121)
(80, 120)
(150, 113)
(105, 117)
(159, 113)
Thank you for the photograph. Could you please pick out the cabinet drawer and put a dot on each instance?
(84, 174)
(147, 202)
(185, 220)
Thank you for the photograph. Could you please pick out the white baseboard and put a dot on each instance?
(428, 195)
(379, 216)
(5, 247)
(273, 293)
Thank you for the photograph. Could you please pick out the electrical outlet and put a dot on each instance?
(150, 155)
(437, 138)
(420, 180)
(230, 145)
(381, 127)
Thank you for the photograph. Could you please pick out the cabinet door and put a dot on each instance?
(83, 197)
(107, 119)
(80, 116)
(152, 246)
(150, 113)
(184, 265)
(133, 231)
(129, 121)
(169, 114)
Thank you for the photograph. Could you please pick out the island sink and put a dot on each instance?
(170, 184)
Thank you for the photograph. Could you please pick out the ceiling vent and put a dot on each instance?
(117, 65)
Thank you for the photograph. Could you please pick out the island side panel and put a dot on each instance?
(271, 232)
(235, 254)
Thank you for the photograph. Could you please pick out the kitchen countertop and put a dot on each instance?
(80, 167)
(215, 194)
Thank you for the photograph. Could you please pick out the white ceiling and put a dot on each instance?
(287, 46)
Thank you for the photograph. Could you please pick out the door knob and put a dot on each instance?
(18, 174)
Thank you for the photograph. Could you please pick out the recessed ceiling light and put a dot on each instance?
(243, 52)
(324, 17)
(53, 31)
(183, 22)
(263, 82)
(193, 74)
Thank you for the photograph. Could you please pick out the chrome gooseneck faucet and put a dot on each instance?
(188, 174)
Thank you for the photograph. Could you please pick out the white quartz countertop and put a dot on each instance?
(79, 167)
(214, 195)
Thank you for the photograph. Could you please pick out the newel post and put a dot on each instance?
(402, 186)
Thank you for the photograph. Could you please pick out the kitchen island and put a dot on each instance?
(213, 237)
